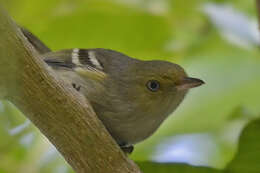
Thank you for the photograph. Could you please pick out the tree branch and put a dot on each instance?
(62, 114)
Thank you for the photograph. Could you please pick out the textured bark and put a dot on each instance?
(61, 114)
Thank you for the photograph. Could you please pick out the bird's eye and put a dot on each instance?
(153, 85)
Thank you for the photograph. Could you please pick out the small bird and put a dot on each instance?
(131, 97)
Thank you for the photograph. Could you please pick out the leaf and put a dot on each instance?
(153, 167)
(247, 158)
(245, 161)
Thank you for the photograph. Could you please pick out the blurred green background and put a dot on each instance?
(215, 40)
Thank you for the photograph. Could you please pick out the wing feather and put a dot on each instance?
(82, 61)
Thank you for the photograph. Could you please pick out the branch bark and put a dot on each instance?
(62, 115)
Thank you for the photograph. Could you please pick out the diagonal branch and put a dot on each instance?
(61, 114)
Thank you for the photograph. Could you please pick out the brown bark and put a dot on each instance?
(62, 115)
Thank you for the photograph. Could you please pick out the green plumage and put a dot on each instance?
(130, 96)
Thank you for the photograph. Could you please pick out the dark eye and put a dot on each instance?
(153, 85)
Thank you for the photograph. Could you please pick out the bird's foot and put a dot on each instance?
(77, 87)
(128, 149)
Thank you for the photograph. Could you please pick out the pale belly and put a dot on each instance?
(132, 133)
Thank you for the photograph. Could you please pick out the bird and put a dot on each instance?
(131, 97)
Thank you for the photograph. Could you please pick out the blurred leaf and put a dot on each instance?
(152, 167)
(245, 161)
(248, 154)
(91, 24)
(240, 113)
(234, 26)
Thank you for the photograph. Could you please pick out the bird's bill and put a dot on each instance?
(188, 82)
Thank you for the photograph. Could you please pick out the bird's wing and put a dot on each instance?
(35, 41)
(82, 61)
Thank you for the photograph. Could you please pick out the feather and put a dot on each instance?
(82, 61)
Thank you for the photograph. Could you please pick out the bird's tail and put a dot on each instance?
(35, 41)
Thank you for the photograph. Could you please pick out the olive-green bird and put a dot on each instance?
(131, 97)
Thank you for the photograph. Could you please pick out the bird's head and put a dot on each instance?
(157, 86)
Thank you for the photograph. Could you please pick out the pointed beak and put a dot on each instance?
(188, 82)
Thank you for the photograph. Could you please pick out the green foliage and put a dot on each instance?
(246, 159)
(147, 167)
(248, 154)
(173, 30)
